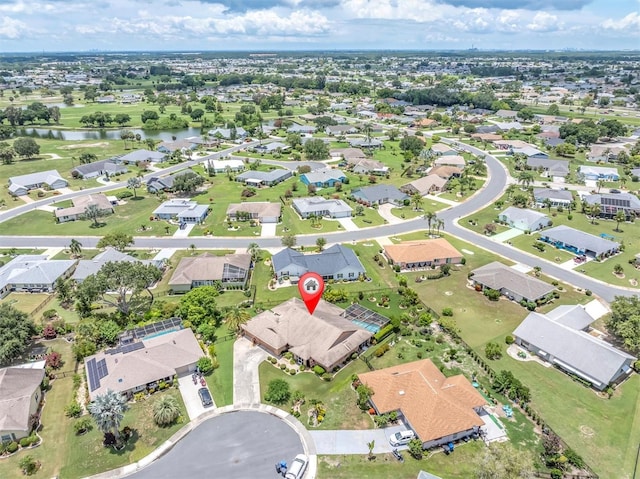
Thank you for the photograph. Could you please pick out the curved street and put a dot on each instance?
(497, 180)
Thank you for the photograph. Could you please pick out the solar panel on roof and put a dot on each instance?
(92, 373)
(101, 369)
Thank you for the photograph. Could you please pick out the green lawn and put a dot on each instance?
(459, 465)
(25, 302)
(337, 395)
(221, 380)
(88, 456)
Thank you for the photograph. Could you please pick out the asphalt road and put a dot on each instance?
(491, 191)
(236, 445)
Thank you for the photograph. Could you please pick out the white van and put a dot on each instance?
(402, 438)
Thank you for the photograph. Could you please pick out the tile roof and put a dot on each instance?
(434, 405)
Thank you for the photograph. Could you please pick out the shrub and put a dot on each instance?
(283, 366)
(492, 294)
(12, 447)
(82, 425)
(588, 292)
(447, 312)
(53, 360)
(49, 314)
(381, 350)
(319, 370)
(77, 380)
(415, 448)
(327, 377)
(277, 391)
(205, 365)
(25, 442)
(384, 332)
(73, 409)
(28, 465)
(165, 411)
(292, 372)
(509, 339)
(124, 194)
(492, 350)
(273, 360)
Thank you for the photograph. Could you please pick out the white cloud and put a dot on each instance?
(630, 22)
(416, 10)
(11, 28)
(544, 22)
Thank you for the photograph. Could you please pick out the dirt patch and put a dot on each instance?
(448, 293)
(587, 431)
(633, 282)
(52, 156)
(75, 146)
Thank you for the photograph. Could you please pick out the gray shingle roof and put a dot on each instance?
(521, 214)
(376, 193)
(17, 385)
(323, 175)
(48, 177)
(577, 349)
(88, 267)
(33, 269)
(266, 176)
(499, 276)
(580, 239)
(542, 193)
(326, 263)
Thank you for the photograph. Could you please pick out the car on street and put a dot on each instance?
(298, 467)
(205, 397)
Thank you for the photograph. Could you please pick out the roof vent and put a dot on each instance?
(401, 393)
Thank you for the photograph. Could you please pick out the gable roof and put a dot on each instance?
(317, 203)
(267, 176)
(109, 165)
(434, 405)
(208, 267)
(33, 269)
(48, 177)
(81, 203)
(325, 263)
(87, 267)
(323, 175)
(423, 185)
(17, 385)
(142, 155)
(580, 239)
(530, 217)
(347, 153)
(375, 193)
(575, 348)
(261, 208)
(499, 276)
(421, 250)
(324, 336)
(542, 193)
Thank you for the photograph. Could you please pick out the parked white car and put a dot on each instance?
(298, 467)
(402, 438)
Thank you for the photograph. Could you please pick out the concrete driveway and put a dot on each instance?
(355, 442)
(246, 381)
(385, 212)
(348, 224)
(189, 392)
(237, 445)
(268, 229)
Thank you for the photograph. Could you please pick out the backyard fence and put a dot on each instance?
(41, 306)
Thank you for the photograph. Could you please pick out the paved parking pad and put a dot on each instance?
(355, 442)
(191, 398)
(235, 445)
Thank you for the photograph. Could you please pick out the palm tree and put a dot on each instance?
(510, 189)
(192, 247)
(371, 445)
(623, 180)
(134, 183)
(439, 226)
(416, 199)
(93, 212)
(429, 216)
(594, 211)
(236, 317)
(320, 243)
(254, 250)
(599, 184)
(525, 179)
(108, 411)
(619, 217)
(75, 247)
(165, 410)
(547, 202)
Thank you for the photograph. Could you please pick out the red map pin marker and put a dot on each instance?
(311, 286)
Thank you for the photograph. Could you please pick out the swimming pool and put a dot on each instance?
(373, 328)
(155, 335)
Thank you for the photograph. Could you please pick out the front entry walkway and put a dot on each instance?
(246, 381)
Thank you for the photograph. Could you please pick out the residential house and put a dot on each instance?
(507, 113)
(33, 274)
(264, 178)
(511, 283)
(87, 267)
(456, 161)
(561, 338)
(579, 242)
(318, 206)
(229, 133)
(185, 211)
(529, 152)
(550, 168)
(423, 123)
(338, 130)
(347, 153)
(233, 165)
(231, 270)
(440, 149)
(379, 195)
(509, 125)
(445, 172)
(364, 143)
(486, 137)
(422, 254)
(303, 129)
(273, 147)
(20, 396)
(80, 205)
(109, 167)
(596, 173)
(21, 185)
(141, 156)
(157, 184)
(324, 338)
(168, 147)
(605, 153)
(611, 203)
(524, 219)
(556, 197)
(510, 144)
(142, 365)
(425, 185)
(437, 408)
(323, 178)
(262, 211)
(367, 166)
(337, 263)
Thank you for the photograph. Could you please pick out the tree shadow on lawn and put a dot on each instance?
(137, 198)
(129, 445)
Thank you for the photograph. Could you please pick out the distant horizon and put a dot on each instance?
(311, 25)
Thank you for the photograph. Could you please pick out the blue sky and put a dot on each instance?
(80, 25)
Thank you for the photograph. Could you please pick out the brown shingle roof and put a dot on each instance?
(434, 405)
(325, 336)
(207, 267)
(425, 184)
(421, 250)
(445, 171)
(261, 208)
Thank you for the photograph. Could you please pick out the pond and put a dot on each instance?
(80, 135)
